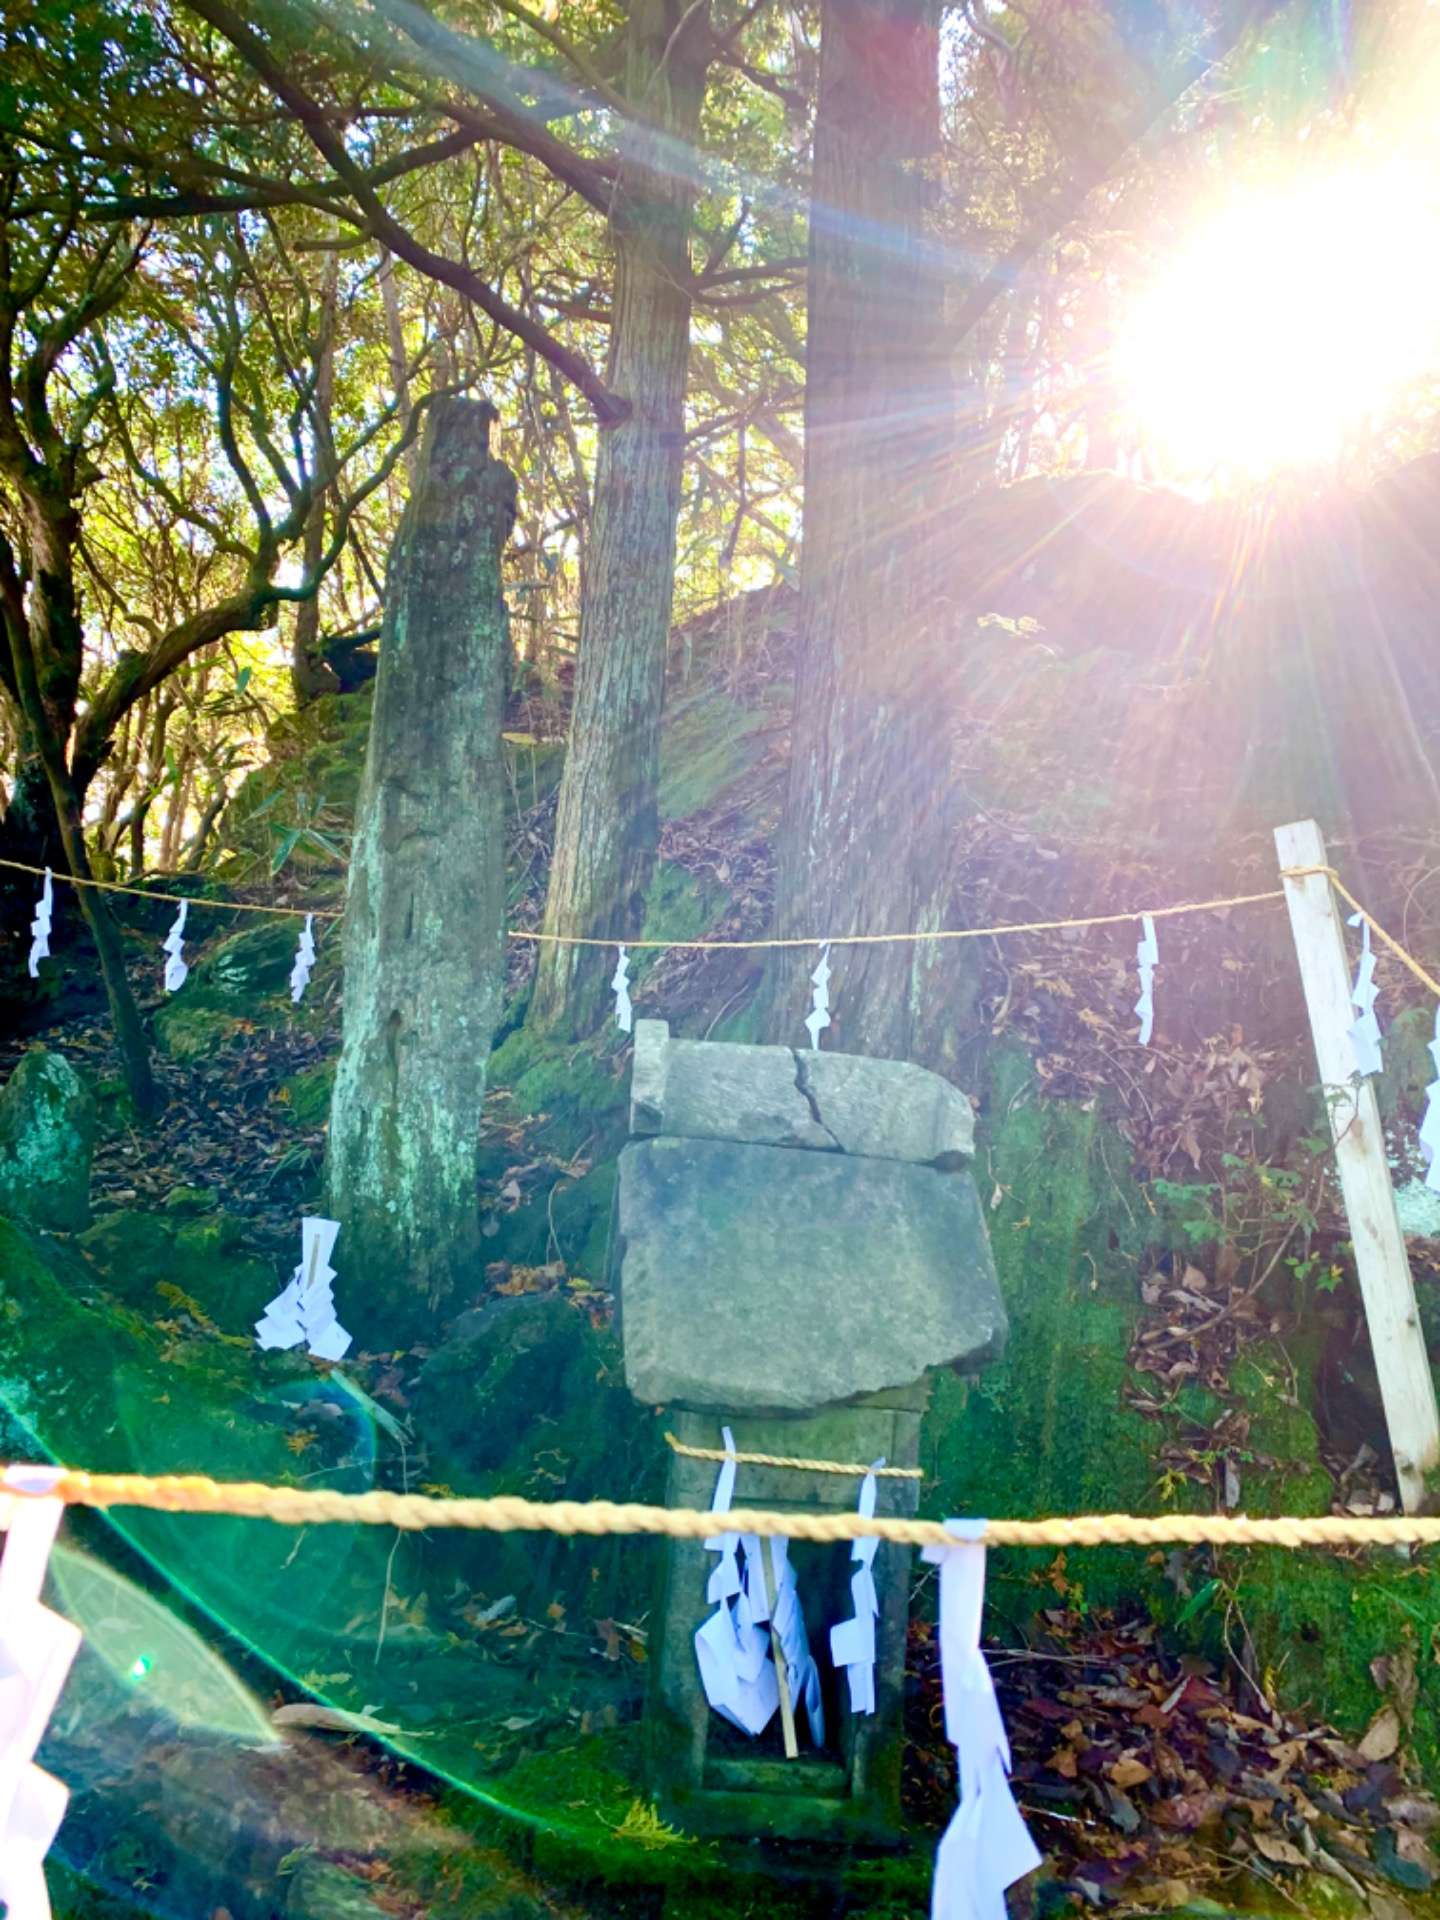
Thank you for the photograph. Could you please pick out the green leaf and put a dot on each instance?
(286, 843)
(1198, 1602)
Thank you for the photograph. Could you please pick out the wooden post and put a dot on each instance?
(782, 1674)
(1396, 1340)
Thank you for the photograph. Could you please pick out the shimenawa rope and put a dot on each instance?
(415, 1512)
(789, 1460)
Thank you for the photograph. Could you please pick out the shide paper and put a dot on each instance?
(788, 1622)
(40, 926)
(1430, 1123)
(304, 960)
(1365, 1033)
(1147, 956)
(852, 1642)
(987, 1846)
(305, 1311)
(732, 1648)
(818, 1017)
(175, 967)
(36, 1650)
(620, 981)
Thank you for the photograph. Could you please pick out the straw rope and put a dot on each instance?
(789, 1460)
(415, 1512)
(733, 946)
(173, 899)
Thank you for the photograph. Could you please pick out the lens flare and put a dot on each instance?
(1290, 324)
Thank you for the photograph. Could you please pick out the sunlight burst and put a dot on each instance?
(1288, 325)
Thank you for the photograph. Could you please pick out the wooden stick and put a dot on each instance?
(1407, 1390)
(782, 1671)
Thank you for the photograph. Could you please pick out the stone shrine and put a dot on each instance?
(798, 1243)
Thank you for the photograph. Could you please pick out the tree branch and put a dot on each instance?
(609, 408)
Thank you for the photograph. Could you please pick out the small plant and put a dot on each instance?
(642, 1824)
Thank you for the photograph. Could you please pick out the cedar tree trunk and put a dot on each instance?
(607, 817)
(862, 842)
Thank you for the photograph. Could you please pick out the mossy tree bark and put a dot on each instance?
(607, 819)
(424, 914)
(862, 840)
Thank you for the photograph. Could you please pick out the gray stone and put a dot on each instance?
(47, 1135)
(756, 1278)
(796, 1097)
(425, 906)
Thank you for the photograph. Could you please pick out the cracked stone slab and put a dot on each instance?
(793, 1097)
(756, 1278)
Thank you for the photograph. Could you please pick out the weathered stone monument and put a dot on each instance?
(798, 1243)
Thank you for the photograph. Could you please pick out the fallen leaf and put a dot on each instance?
(1382, 1736)
(1283, 1853)
(1127, 1771)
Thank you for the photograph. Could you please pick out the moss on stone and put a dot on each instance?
(135, 1253)
(190, 1028)
(580, 1211)
(580, 1090)
(1047, 1429)
(307, 1094)
(709, 743)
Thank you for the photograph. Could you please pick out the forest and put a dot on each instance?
(694, 692)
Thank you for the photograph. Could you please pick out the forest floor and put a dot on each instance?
(1155, 1780)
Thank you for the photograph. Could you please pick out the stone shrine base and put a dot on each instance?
(707, 1776)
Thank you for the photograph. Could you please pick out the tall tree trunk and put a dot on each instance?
(607, 815)
(310, 674)
(425, 910)
(861, 845)
(47, 699)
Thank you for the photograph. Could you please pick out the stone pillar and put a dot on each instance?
(424, 913)
(798, 1241)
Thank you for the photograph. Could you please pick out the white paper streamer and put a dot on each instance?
(852, 1642)
(304, 960)
(624, 1012)
(1365, 1033)
(987, 1846)
(788, 1620)
(175, 967)
(818, 1017)
(732, 1648)
(40, 926)
(305, 1311)
(1147, 955)
(1430, 1122)
(36, 1650)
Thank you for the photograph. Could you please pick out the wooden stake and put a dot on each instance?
(782, 1672)
(1407, 1389)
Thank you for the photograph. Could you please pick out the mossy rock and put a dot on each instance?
(189, 1200)
(1047, 1429)
(47, 1134)
(317, 756)
(137, 1253)
(580, 1090)
(580, 1211)
(525, 1396)
(188, 1029)
(247, 966)
(308, 1093)
(710, 742)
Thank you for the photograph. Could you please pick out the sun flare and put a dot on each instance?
(1291, 322)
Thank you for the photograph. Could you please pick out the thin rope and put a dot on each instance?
(415, 1512)
(1405, 959)
(788, 1460)
(173, 899)
(732, 946)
